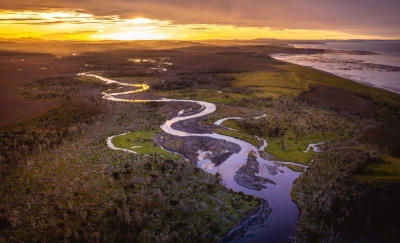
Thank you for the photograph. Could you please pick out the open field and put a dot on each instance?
(142, 142)
(316, 77)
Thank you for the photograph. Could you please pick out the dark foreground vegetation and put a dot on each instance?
(60, 182)
(351, 190)
(80, 104)
(339, 207)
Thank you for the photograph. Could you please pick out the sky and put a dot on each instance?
(199, 19)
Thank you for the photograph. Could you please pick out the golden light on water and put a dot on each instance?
(72, 25)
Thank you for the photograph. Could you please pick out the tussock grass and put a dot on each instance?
(142, 142)
(240, 135)
(232, 124)
(291, 125)
(315, 77)
(78, 189)
(271, 84)
(208, 95)
(387, 169)
(83, 191)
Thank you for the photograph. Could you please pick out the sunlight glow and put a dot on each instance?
(141, 21)
(29, 17)
(133, 35)
(74, 25)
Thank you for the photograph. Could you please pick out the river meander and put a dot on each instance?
(278, 177)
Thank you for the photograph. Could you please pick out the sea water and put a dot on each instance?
(374, 63)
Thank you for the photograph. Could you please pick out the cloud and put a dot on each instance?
(367, 17)
(53, 17)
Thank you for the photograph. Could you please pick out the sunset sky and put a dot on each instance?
(199, 19)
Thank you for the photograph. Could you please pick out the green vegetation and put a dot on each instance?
(386, 169)
(288, 150)
(291, 125)
(201, 94)
(271, 84)
(314, 77)
(136, 80)
(194, 78)
(224, 111)
(60, 182)
(242, 136)
(294, 79)
(142, 142)
(343, 194)
(291, 147)
(67, 185)
(83, 191)
(240, 133)
(66, 87)
(232, 124)
(348, 188)
(81, 104)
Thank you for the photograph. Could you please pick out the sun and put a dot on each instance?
(141, 21)
(138, 35)
(137, 29)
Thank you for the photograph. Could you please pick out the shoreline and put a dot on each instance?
(283, 220)
(366, 46)
(274, 56)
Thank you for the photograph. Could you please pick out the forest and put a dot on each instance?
(60, 182)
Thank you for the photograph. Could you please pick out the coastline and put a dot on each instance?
(329, 73)
(368, 68)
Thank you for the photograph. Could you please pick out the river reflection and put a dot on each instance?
(283, 218)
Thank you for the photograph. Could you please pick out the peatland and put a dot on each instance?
(60, 182)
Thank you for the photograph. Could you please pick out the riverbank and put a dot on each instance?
(81, 190)
(62, 188)
(286, 104)
(359, 162)
(232, 160)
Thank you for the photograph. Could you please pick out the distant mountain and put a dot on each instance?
(75, 47)
(22, 53)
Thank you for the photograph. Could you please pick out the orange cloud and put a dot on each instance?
(80, 25)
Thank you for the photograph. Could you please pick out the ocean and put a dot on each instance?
(373, 63)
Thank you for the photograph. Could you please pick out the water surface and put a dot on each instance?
(284, 216)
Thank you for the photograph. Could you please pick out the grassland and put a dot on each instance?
(142, 142)
(202, 94)
(385, 170)
(359, 153)
(264, 89)
(271, 84)
(240, 135)
(68, 186)
(233, 124)
(315, 77)
(293, 79)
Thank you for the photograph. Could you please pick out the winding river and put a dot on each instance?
(284, 215)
